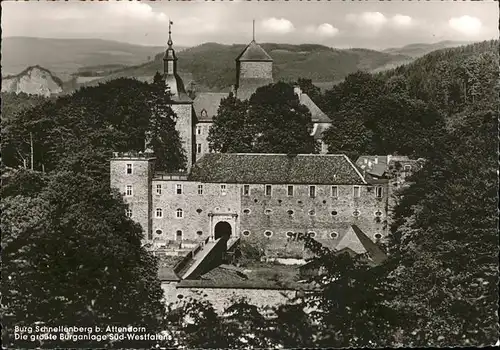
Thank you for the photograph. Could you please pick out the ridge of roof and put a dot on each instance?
(275, 168)
(376, 254)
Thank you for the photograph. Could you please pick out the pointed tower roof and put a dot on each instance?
(172, 80)
(254, 52)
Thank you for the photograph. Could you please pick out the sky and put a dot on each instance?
(343, 24)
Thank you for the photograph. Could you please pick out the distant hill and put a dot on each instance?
(64, 57)
(418, 50)
(33, 80)
(451, 78)
(212, 65)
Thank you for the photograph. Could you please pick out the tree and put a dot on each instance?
(74, 259)
(446, 240)
(163, 138)
(272, 121)
(80, 132)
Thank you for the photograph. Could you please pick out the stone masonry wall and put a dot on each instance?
(201, 138)
(140, 179)
(261, 70)
(185, 127)
(211, 201)
(323, 223)
(221, 298)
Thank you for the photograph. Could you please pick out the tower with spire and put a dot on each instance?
(181, 102)
(254, 68)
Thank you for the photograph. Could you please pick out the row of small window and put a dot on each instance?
(379, 192)
(312, 212)
(311, 234)
(291, 234)
(334, 191)
(178, 234)
(179, 213)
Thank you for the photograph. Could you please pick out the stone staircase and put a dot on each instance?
(197, 260)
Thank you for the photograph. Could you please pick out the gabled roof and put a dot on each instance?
(254, 52)
(208, 101)
(317, 115)
(276, 169)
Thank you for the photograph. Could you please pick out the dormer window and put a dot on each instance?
(203, 115)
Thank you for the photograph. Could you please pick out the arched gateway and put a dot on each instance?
(222, 230)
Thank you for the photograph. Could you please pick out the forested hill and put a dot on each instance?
(452, 78)
(213, 66)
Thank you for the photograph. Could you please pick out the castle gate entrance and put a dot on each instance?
(222, 230)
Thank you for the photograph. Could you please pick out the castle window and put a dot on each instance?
(312, 212)
(178, 188)
(179, 214)
(159, 213)
(311, 234)
(335, 191)
(356, 191)
(268, 233)
(129, 168)
(334, 235)
(378, 213)
(246, 233)
(198, 129)
(290, 212)
(268, 211)
(379, 192)
(198, 148)
(128, 190)
(159, 232)
(312, 191)
(334, 212)
(246, 211)
(199, 233)
(407, 168)
(290, 190)
(246, 190)
(178, 235)
(356, 213)
(223, 190)
(269, 190)
(128, 213)
(378, 236)
(158, 189)
(200, 189)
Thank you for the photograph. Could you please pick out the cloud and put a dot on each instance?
(325, 29)
(277, 25)
(402, 20)
(372, 19)
(466, 25)
(136, 10)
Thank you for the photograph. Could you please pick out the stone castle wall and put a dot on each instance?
(279, 220)
(195, 207)
(140, 180)
(221, 298)
(202, 138)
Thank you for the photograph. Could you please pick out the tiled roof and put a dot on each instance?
(317, 115)
(275, 169)
(208, 101)
(367, 163)
(254, 52)
(167, 274)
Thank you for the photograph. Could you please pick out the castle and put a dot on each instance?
(260, 198)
